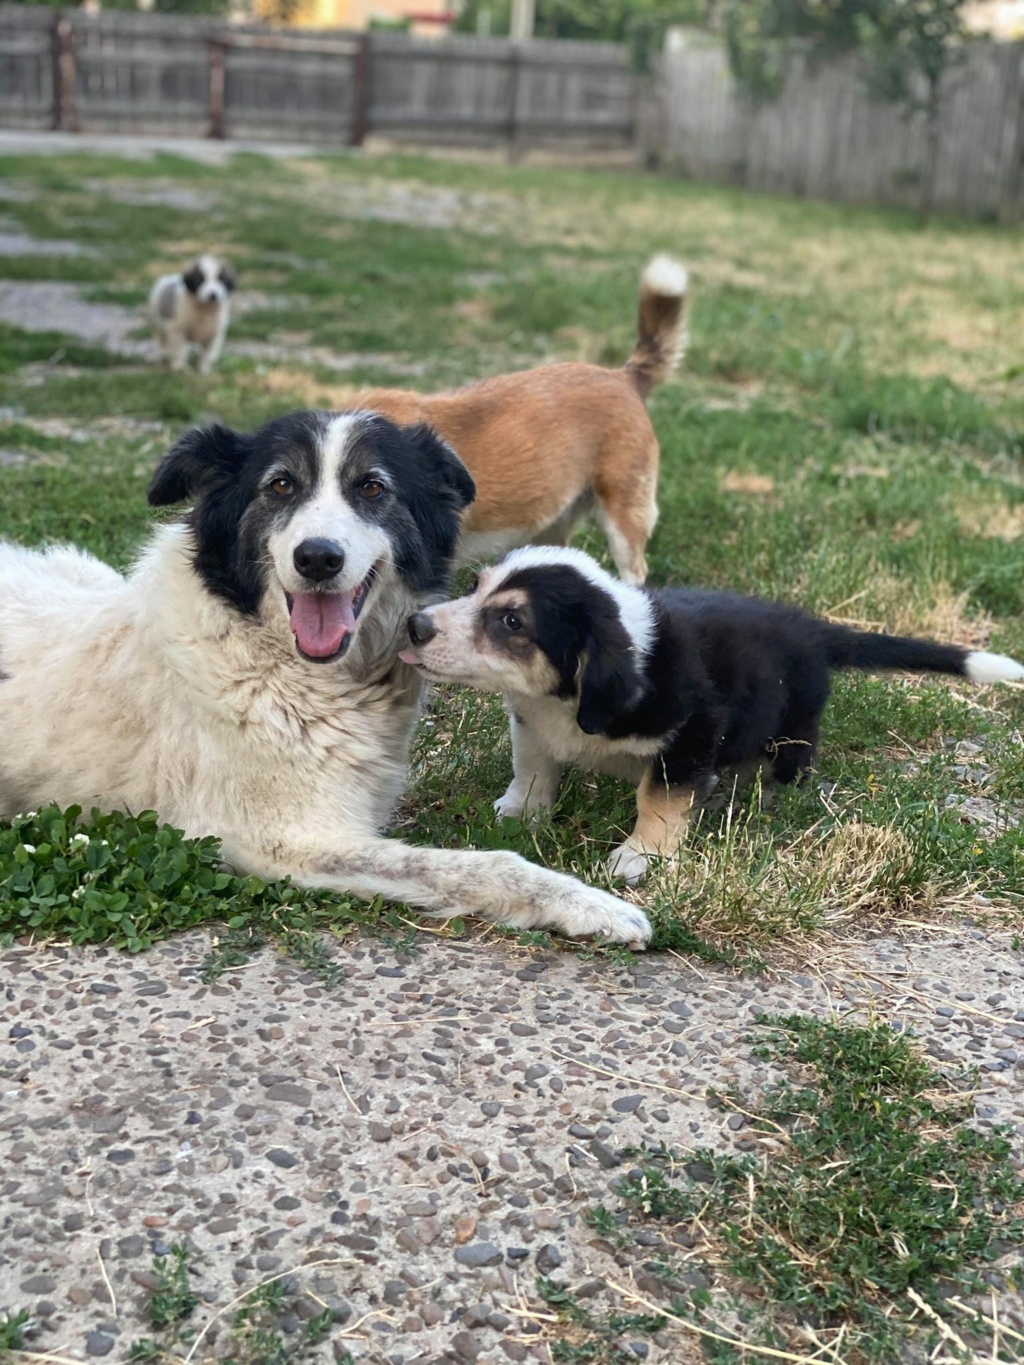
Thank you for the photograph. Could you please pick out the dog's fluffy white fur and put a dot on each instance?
(159, 691)
(193, 308)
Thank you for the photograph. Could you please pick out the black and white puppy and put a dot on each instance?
(243, 679)
(664, 686)
(193, 309)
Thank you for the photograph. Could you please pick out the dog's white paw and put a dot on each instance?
(590, 913)
(629, 864)
(510, 806)
(514, 806)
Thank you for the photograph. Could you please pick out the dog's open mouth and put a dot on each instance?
(323, 623)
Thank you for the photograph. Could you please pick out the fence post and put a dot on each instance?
(360, 91)
(1010, 208)
(218, 62)
(512, 114)
(63, 75)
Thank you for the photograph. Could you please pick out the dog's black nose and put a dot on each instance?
(319, 560)
(421, 628)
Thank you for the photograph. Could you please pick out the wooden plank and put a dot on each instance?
(826, 136)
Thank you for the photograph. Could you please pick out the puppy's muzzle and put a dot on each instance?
(318, 560)
(421, 628)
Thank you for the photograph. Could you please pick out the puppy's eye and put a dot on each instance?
(372, 489)
(282, 486)
(512, 622)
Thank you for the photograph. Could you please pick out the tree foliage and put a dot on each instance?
(907, 44)
(639, 23)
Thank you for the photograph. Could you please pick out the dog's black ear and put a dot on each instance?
(446, 467)
(192, 279)
(440, 489)
(610, 682)
(228, 278)
(203, 457)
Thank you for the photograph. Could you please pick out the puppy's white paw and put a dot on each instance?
(629, 864)
(590, 913)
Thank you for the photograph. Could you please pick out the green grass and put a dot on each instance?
(14, 1327)
(867, 1190)
(253, 1335)
(129, 881)
(846, 433)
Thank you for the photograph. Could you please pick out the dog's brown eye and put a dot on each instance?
(372, 488)
(511, 621)
(282, 486)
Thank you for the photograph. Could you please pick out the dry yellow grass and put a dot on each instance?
(987, 513)
(732, 481)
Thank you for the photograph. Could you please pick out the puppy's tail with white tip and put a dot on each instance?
(661, 324)
(991, 668)
(859, 649)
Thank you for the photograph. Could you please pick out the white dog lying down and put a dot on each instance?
(243, 680)
(193, 309)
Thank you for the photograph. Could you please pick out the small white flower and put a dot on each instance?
(29, 848)
(80, 838)
(78, 893)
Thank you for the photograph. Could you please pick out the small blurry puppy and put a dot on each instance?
(193, 309)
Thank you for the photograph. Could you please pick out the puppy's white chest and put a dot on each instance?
(554, 722)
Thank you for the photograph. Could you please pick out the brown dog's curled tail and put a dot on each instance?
(661, 330)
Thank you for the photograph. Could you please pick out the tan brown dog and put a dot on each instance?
(548, 445)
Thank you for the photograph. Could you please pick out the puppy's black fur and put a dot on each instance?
(729, 680)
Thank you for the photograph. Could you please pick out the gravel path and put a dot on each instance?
(210, 151)
(416, 1144)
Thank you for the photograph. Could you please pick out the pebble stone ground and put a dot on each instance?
(413, 1146)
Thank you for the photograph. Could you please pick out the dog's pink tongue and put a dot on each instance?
(320, 622)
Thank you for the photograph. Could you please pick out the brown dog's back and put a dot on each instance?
(545, 443)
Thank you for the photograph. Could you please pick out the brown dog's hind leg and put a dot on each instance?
(662, 819)
(627, 511)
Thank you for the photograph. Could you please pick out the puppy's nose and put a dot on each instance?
(421, 628)
(319, 560)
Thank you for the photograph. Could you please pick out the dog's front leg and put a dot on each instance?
(535, 774)
(501, 887)
(662, 819)
(175, 348)
(212, 353)
(665, 799)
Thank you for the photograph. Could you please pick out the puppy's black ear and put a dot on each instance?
(610, 682)
(202, 458)
(228, 278)
(192, 279)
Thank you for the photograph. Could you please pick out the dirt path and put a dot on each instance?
(210, 151)
(429, 1133)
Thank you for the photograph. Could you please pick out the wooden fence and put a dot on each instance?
(826, 137)
(121, 71)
